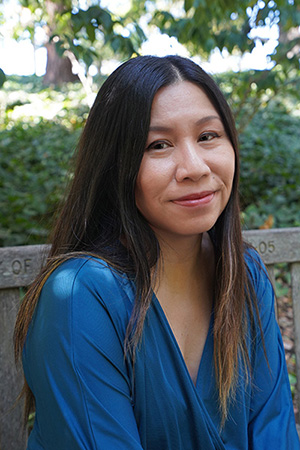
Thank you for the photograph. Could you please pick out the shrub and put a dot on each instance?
(33, 175)
(270, 168)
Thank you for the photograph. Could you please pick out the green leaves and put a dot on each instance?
(206, 25)
(33, 173)
(93, 18)
(97, 23)
(84, 32)
(188, 4)
(270, 166)
(293, 383)
(35, 157)
(2, 77)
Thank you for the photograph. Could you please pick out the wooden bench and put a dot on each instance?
(20, 265)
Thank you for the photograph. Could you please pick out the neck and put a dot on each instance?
(183, 262)
(184, 251)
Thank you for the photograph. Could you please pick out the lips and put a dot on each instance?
(195, 199)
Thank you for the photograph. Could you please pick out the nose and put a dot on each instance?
(190, 163)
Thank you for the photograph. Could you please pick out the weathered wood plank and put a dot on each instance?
(20, 265)
(11, 379)
(276, 245)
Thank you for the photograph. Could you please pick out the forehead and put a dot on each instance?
(183, 98)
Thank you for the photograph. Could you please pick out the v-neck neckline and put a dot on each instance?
(171, 333)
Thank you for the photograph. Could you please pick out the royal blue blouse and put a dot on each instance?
(87, 397)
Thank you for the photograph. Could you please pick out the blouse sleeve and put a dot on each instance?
(74, 363)
(272, 420)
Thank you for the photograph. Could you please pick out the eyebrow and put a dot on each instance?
(199, 122)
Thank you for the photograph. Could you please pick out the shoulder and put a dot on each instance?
(88, 285)
(75, 344)
(89, 272)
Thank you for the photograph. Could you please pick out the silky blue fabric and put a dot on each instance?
(86, 394)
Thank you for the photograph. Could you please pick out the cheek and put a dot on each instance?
(152, 180)
(224, 169)
(139, 195)
(143, 185)
(227, 167)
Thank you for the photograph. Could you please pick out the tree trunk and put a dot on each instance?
(58, 70)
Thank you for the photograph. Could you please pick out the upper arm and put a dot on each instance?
(77, 368)
(272, 421)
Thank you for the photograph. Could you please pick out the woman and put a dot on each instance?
(152, 325)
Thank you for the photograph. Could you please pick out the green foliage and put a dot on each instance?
(205, 25)
(2, 77)
(85, 32)
(33, 174)
(81, 29)
(270, 167)
(282, 280)
(293, 383)
(35, 158)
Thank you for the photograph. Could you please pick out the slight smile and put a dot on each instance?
(196, 199)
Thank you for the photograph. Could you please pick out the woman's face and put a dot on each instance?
(186, 174)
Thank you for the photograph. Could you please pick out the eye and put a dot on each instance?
(208, 136)
(158, 145)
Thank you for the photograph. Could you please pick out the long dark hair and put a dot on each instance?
(100, 216)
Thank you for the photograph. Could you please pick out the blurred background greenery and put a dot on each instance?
(41, 117)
